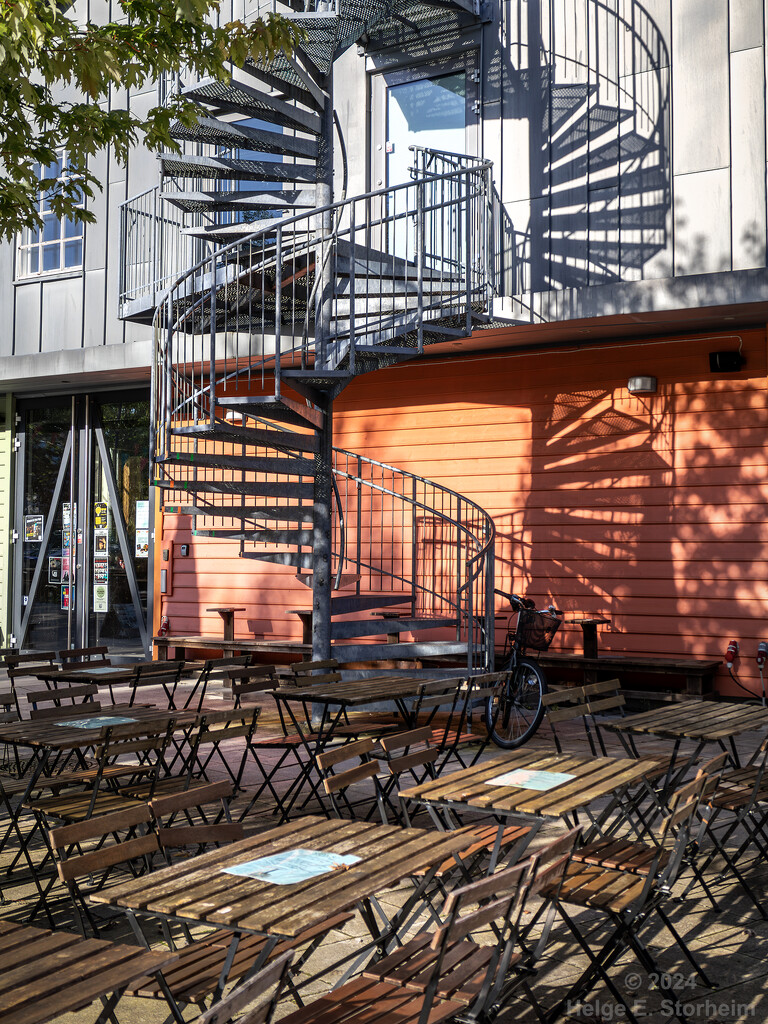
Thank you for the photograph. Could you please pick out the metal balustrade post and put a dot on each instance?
(414, 541)
(419, 244)
(459, 535)
(352, 290)
(278, 309)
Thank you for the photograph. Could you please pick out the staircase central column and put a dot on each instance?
(323, 261)
(322, 565)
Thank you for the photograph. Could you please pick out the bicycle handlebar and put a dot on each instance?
(515, 601)
(525, 602)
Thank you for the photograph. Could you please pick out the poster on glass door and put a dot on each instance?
(142, 529)
(101, 597)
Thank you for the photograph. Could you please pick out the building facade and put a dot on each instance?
(622, 234)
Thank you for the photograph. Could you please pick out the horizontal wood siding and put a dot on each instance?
(649, 509)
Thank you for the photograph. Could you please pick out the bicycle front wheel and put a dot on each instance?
(513, 713)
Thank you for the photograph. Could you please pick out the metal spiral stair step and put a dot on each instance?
(245, 488)
(348, 604)
(282, 440)
(353, 628)
(277, 513)
(254, 463)
(345, 653)
(236, 135)
(288, 538)
(240, 98)
(236, 169)
(286, 79)
(285, 201)
(283, 410)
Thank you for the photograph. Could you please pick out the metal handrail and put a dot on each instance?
(468, 548)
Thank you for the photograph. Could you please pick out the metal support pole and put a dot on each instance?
(323, 224)
(322, 567)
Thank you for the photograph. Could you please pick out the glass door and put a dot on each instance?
(83, 552)
(434, 106)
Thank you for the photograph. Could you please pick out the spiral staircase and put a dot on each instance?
(288, 294)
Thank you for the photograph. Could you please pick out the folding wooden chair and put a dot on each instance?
(115, 842)
(212, 669)
(83, 695)
(166, 674)
(288, 746)
(214, 825)
(335, 783)
(446, 706)
(253, 679)
(144, 743)
(736, 807)
(627, 901)
(255, 999)
(585, 707)
(84, 656)
(217, 728)
(24, 666)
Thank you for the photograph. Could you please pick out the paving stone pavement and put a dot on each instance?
(731, 945)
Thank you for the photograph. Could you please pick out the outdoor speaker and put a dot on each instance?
(725, 362)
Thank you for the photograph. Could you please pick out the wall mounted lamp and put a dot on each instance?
(641, 385)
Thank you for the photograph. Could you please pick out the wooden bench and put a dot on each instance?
(180, 644)
(698, 673)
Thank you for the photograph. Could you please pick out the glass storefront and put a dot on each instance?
(83, 521)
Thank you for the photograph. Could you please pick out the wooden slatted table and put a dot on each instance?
(471, 789)
(199, 891)
(45, 974)
(336, 698)
(701, 721)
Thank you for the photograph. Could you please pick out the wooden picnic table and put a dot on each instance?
(45, 974)
(472, 789)
(200, 891)
(702, 721)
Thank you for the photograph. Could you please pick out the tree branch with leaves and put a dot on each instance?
(46, 52)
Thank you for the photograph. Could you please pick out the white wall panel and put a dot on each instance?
(748, 159)
(700, 85)
(702, 205)
(746, 23)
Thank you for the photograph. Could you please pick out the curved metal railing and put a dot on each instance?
(340, 289)
(411, 536)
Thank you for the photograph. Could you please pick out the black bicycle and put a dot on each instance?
(513, 713)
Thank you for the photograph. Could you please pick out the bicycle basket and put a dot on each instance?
(535, 630)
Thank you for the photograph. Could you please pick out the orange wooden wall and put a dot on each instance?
(650, 509)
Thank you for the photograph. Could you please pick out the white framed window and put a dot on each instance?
(58, 245)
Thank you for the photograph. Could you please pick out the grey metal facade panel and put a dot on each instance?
(748, 157)
(746, 24)
(701, 138)
(26, 334)
(62, 314)
(93, 308)
(6, 300)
